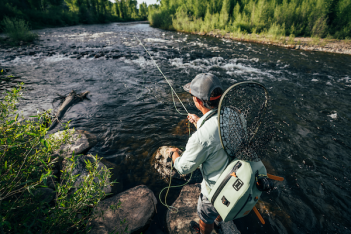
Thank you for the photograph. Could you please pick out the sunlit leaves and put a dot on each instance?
(27, 164)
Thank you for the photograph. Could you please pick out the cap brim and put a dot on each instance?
(187, 87)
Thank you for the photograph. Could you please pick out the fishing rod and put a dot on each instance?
(170, 179)
(164, 77)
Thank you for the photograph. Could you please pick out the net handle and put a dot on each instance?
(220, 105)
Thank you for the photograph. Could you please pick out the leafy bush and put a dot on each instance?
(28, 164)
(160, 18)
(18, 30)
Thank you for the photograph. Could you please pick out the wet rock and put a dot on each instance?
(31, 53)
(80, 142)
(162, 164)
(116, 56)
(82, 172)
(44, 195)
(186, 203)
(98, 55)
(138, 206)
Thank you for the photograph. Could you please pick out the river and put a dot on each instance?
(132, 113)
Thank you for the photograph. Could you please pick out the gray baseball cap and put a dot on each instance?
(202, 86)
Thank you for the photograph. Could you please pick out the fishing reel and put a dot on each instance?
(263, 183)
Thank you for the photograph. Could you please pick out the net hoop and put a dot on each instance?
(220, 108)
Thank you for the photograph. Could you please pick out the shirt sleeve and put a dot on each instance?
(194, 155)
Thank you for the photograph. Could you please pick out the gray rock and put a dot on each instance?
(138, 206)
(81, 170)
(162, 164)
(186, 203)
(44, 195)
(80, 142)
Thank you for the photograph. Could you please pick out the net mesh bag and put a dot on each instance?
(245, 121)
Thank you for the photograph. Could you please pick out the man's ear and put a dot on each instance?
(199, 101)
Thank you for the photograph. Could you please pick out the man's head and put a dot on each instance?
(207, 90)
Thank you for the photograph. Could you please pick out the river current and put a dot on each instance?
(132, 113)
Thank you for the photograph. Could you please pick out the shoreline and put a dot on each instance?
(300, 43)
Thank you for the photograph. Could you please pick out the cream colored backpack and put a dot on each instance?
(244, 127)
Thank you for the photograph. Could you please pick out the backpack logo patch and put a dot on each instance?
(238, 184)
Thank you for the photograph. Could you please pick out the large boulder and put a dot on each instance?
(82, 172)
(137, 207)
(186, 203)
(80, 143)
(162, 164)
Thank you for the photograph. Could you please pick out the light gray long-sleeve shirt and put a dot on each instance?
(204, 150)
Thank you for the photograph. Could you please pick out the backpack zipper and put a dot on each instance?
(225, 181)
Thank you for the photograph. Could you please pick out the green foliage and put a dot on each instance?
(160, 18)
(18, 30)
(316, 18)
(42, 13)
(27, 163)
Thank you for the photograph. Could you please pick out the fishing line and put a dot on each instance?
(165, 79)
(171, 208)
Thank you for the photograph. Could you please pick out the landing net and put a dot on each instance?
(245, 121)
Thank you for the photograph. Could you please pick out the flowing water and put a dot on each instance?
(132, 113)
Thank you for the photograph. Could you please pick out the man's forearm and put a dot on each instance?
(175, 156)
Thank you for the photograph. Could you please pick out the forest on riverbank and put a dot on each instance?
(46, 13)
(275, 18)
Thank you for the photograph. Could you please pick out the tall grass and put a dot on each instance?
(18, 30)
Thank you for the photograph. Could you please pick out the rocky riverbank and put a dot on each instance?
(298, 43)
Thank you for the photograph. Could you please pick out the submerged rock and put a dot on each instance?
(137, 207)
(80, 142)
(163, 166)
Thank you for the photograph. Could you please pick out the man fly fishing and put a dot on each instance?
(204, 147)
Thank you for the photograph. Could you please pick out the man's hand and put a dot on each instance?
(172, 149)
(193, 119)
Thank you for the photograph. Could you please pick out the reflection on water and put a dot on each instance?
(132, 113)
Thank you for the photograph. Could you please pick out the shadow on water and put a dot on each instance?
(132, 113)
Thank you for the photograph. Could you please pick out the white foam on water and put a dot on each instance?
(345, 79)
(157, 40)
(197, 44)
(328, 83)
(27, 60)
(230, 66)
(141, 61)
(314, 80)
(226, 40)
(334, 115)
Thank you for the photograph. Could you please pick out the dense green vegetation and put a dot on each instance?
(316, 18)
(18, 30)
(28, 164)
(43, 13)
